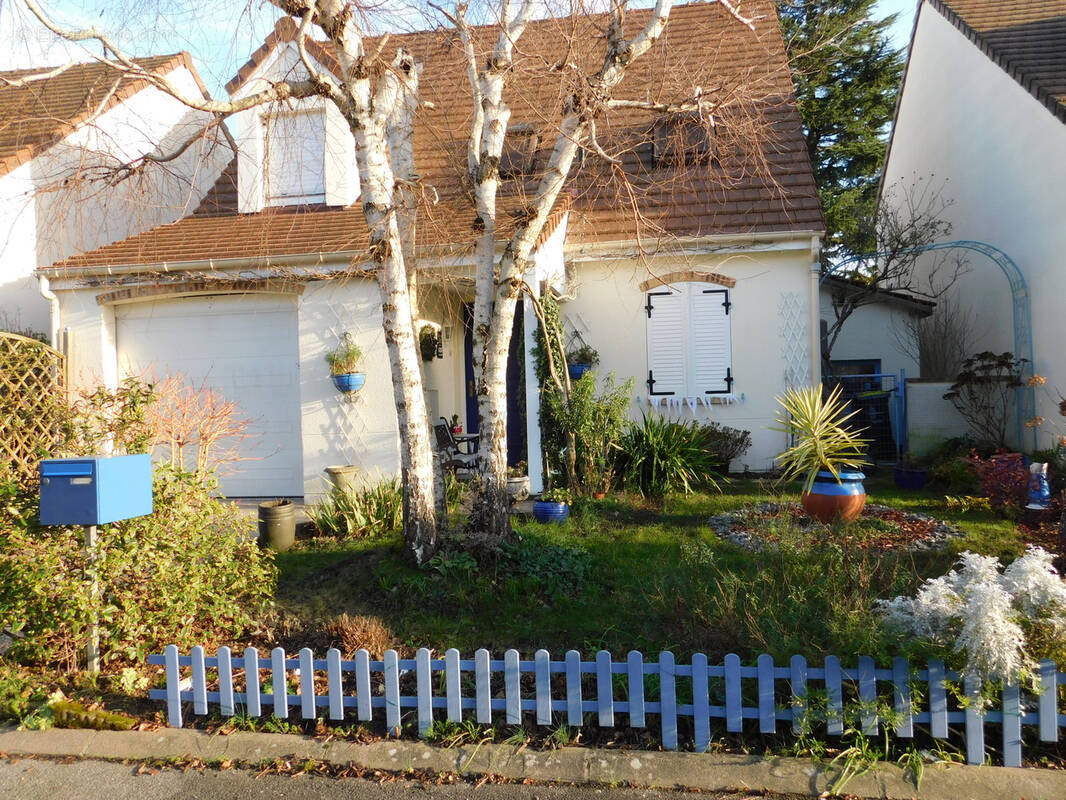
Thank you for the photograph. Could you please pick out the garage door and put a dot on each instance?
(244, 346)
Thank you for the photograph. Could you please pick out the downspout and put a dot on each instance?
(815, 311)
(50, 296)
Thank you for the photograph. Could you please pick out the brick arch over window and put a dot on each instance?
(690, 276)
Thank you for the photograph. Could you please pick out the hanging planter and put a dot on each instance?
(429, 344)
(342, 366)
(580, 361)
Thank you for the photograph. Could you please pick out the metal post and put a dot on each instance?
(92, 649)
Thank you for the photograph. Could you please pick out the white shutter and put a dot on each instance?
(709, 331)
(666, 348)
(295, 157)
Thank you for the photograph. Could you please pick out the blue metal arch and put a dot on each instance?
(1023, 323)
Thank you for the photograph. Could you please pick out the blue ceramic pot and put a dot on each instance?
(577, 370)
(349, 382)
(831, 501)
(544, 511)
(910, 478)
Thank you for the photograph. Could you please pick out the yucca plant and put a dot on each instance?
(822, 442)
(662, 456)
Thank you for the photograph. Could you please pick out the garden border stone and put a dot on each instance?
(706, 771)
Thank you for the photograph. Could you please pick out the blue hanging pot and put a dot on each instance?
(349, 382)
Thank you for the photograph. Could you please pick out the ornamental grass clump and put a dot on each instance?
(993, 624)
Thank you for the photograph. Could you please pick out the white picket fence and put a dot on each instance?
(782, 693)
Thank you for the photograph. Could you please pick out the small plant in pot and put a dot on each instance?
(455, 424)
(553, 506)
(825, 454)
(581, 360)
(343, 363)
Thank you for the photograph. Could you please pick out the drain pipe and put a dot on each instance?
(50, 296)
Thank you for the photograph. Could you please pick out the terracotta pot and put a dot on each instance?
(830, 501)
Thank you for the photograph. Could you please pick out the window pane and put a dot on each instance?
(295, 156)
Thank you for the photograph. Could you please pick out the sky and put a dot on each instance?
(220, 34)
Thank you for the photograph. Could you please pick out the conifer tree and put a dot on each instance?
(847, 76)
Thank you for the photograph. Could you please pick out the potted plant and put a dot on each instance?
(455, 424)
(553, 506)
(342, 366)
(581, 360)
(910, 474)
(427, 342)
(518, 482)
(825, 454)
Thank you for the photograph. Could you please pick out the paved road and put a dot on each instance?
(39, 779)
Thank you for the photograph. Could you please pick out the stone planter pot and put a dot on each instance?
(277, 524)
(342, 477)
(518, 488)
(829, 501)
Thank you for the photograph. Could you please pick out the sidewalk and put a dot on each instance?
(693, 771)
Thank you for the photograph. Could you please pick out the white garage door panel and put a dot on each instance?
(246, 348)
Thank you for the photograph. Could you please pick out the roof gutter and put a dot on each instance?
(692, 245)
(50, 296)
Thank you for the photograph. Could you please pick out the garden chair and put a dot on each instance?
(454, 456)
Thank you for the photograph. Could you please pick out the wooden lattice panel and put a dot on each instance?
(32, 392)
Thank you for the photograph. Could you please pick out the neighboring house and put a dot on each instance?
(712, 320)
(877, 337)
(60, 130)
(983, 113)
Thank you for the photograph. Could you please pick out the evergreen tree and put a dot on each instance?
(847, 76)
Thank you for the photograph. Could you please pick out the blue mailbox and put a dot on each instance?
(95, 490)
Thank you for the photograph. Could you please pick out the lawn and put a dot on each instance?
(628, 573)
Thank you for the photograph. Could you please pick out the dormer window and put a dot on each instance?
(295, 145)
(684, 140)
(519, 152)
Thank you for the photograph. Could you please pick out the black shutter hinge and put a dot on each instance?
(727, 305)
(651, 385)
(648, 307)
(728, 375)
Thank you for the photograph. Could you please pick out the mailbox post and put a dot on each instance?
(94, 491)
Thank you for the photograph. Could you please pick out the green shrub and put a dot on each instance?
(955, 476)
(665, 456)
(726, 444)
(190, 573)
(360, 513)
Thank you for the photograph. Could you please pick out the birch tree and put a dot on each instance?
(378, 101)
(499, 281)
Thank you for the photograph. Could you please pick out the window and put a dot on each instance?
(689, 349)
(295, 158)
(684, 140)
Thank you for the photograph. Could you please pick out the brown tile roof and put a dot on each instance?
(39, 113)
(1026, 38)
(702, 46)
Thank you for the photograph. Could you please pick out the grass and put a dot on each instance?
(628, 573)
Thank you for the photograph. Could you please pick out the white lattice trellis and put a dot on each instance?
(792, 313)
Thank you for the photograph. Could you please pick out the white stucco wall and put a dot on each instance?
(930, 418)
(40, 225)
(1000, 155)
(609, 310)
(873, 331)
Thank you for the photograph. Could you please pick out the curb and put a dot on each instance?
(646, 769)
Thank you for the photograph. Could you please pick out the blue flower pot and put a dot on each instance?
(349, 382)
(577, 370)
(912, 479)
(831, 501)
(544, 512)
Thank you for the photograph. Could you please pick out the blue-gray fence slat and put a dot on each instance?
(779, 693)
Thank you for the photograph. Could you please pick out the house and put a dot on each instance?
(712, 309)
(982, 113)
(60, 129)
